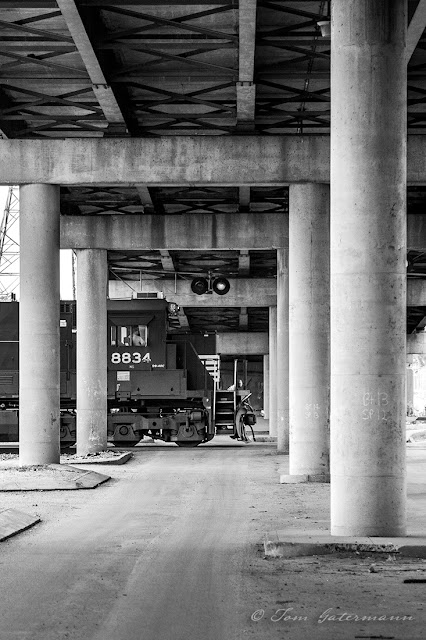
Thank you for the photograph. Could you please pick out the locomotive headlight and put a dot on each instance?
(221, 286)
(173, 308)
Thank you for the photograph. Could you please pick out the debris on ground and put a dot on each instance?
(66, 458)
(108, 454)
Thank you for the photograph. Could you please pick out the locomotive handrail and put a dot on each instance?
(204, 367)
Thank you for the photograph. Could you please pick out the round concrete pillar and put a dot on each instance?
(39, 314)
(266, 387)
(92, 281)
(272, 371)
(368, 272)
(282, 351)
(309, 329)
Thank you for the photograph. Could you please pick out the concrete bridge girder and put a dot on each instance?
(195, 231)
(187, 231)
(181, 160)
(166, 161)
(244, 292)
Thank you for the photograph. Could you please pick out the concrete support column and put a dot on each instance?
(92, 281)
(368, 279)
(39, 314)
(272, 371)
(309, 329)
(266, 387)
(282, 351)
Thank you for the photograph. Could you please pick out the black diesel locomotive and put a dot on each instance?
(157, 385)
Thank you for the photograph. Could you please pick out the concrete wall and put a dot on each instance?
(416, 232)
(416, 292)
(416, 343)
(254, 379)
(242, 343)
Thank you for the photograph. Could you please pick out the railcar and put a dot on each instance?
(157, 385)
(9, 372)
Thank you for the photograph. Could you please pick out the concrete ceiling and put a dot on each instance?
(143, 68)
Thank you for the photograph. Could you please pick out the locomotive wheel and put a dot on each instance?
(125, 443)
(188, 443)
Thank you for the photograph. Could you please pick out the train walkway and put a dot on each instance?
(171, 547)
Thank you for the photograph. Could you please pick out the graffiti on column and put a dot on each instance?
(312, 410)
(375, 405)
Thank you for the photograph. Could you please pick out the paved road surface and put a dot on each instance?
(156, 554)
(168, 550)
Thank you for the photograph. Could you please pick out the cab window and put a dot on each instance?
(129, 336)
(139, 335)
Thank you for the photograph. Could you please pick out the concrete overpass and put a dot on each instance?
(171, 109)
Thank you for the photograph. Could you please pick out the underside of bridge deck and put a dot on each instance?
(87, 69)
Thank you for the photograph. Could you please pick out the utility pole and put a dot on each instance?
(9, 247)
(74, 268)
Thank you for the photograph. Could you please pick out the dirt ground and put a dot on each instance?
(190, 563)
(308, 597)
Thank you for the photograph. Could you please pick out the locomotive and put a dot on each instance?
(157, 384)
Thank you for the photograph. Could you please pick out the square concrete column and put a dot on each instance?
(368, 267)
(282, 351)
(272, 371)
(39, 315)
(266, 387)
(92, 282)
(309, 328)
